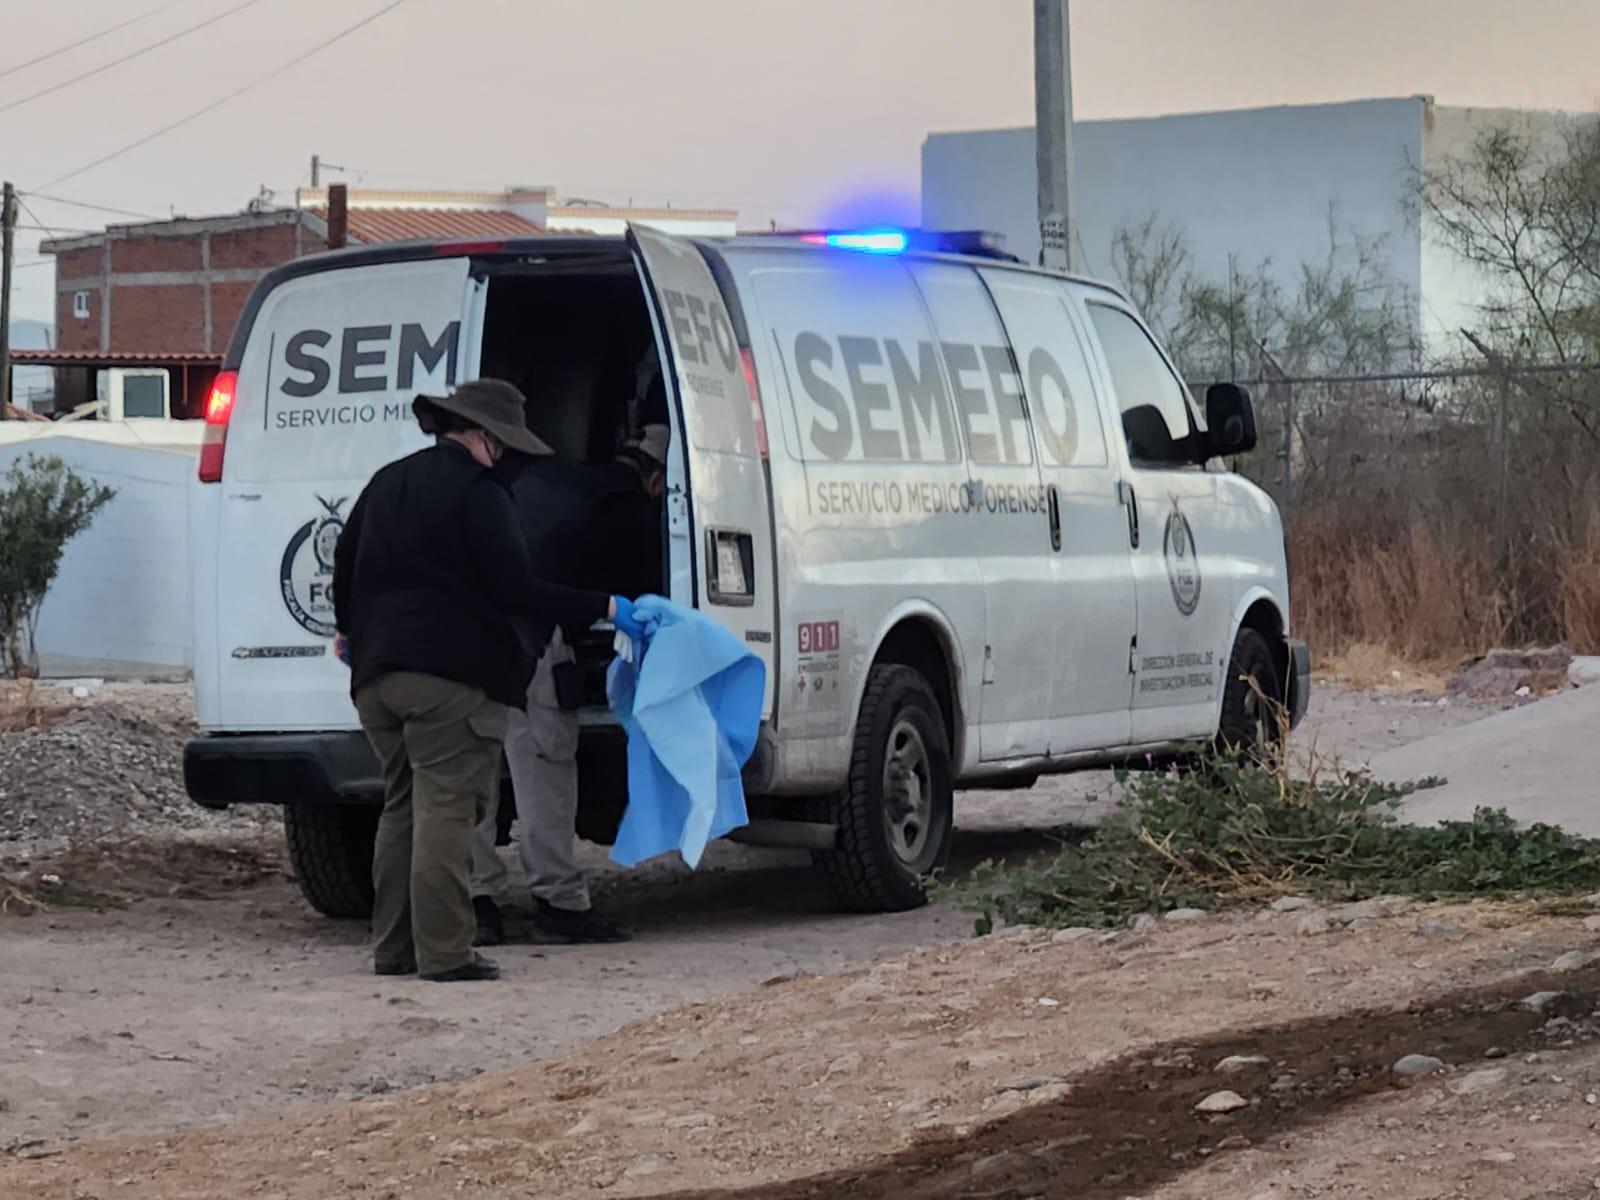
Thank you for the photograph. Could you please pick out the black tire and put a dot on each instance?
(886, 851)
(330, 851)
(1252, 700)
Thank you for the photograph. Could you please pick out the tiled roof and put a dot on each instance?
(399, 224)
(50, 358)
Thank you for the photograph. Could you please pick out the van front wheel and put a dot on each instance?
(1252, 700)
(895, 812)
(330, 852)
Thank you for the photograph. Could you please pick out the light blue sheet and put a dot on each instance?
(691, 705)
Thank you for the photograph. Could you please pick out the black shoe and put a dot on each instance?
(480, 968)
(491, 929)
(575, 925)
(394, 968)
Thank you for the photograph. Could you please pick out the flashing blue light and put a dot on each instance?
(878, 241)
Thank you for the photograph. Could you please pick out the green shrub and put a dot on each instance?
(44, 504)
(1239, 832)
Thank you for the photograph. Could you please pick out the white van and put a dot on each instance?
(964, 509)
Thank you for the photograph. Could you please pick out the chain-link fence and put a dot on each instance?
(1438, 511)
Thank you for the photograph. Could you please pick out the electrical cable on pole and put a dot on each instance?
(8, 224)
(117, 62)
(237, 92)
(52, 230)
(84, 41)
(119, 212)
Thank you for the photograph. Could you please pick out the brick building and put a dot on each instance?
(178, 286)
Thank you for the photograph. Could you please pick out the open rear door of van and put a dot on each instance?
(332, 362)
(719, 518)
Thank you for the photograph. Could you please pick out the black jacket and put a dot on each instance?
(624, 550)
(432, 575)
(554, 499)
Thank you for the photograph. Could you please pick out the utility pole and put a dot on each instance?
(8, 240)
(316, 170)
(1052, 106)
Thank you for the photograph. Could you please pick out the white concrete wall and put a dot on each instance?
(1254, 183)
(121, 602)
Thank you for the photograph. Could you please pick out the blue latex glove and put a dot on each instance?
(624, 621)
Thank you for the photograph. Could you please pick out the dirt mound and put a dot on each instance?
(1134, 1123)
(108, 765)
(1502, 674)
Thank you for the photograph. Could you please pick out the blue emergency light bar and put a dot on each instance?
(874, 241)
(981, 243)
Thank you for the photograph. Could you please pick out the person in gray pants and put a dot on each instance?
(556, 502)
(541, 746)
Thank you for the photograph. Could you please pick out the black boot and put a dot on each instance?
(577, 925)
(491, 927)
(480, 968)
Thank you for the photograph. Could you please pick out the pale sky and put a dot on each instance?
(804, 112)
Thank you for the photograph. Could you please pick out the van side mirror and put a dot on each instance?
(1230, 420)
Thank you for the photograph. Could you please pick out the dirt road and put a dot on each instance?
(1012, 1066)
(221, 994)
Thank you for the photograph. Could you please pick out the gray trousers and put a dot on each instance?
(541, 751)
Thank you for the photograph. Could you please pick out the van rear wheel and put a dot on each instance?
(895, 812)
(330, 852)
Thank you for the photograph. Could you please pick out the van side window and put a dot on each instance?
(984, 378)
(861, 360)
(1156, 418)
(1055, 367)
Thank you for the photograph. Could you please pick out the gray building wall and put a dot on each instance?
(1254, 183)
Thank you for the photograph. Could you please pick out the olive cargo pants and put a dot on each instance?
(439, 742)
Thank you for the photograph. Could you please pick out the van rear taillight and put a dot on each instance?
(219, 407)
(756, 411)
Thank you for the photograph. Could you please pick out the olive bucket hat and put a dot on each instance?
(494, 406)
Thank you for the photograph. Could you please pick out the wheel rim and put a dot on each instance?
(1259, 721)
(907, 792)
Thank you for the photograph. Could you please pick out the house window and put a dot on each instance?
(80, 305)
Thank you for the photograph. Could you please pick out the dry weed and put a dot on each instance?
(1580, 595)
(24, 705)
(1375, 600)
(1378, 668)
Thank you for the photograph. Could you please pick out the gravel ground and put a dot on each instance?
(104, 766)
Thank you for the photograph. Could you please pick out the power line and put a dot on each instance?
(117, 62)
(84, 41)
(120, 212)
(39, 226)
(237, 92)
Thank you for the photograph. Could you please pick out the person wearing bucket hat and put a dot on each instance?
(440, 615)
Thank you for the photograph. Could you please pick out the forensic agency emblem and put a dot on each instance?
(1183, 563)
(305, 577)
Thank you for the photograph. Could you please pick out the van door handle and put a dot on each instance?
(1131, 502)
(1054, 499)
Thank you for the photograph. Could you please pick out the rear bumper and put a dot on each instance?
(341, 767)
(1299, 689)
(282, 768)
